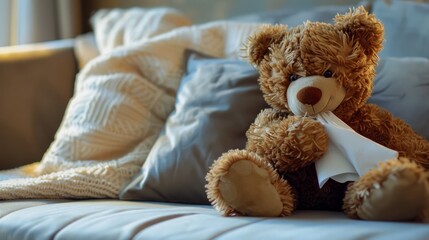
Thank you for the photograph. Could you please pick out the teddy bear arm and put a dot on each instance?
(287, 142)
(382, 127)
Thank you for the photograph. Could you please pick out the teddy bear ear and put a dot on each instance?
(363, 27)
(259, 43)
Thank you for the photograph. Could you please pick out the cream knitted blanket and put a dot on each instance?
(121, 101)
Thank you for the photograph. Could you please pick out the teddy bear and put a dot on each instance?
(304, 71)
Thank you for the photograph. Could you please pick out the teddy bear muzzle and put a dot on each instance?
(311, 95)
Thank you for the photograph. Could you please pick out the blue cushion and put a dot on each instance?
(406, 28)
(402, 87)
(217, 101)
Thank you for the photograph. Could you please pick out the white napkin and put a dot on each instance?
(349, 154)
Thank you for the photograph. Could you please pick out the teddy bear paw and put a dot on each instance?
(288, 144)
(248, 189)
(403, 194)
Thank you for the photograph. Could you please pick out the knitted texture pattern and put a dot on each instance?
(121, 101)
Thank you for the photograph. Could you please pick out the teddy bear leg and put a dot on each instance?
(397, 190)
(241, 183)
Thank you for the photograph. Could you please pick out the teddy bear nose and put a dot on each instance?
(309, 95)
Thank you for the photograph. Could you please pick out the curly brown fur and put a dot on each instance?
(268, 36)
(379, 125)
(365, 29)
(288, 143)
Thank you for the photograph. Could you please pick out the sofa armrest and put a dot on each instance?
(36, 83)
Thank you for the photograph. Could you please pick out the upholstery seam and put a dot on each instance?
(235, 228)
(157, 221)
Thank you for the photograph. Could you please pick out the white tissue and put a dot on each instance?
(349, 154)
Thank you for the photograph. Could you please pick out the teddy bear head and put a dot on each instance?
(317, 67)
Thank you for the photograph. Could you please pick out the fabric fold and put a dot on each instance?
(349, 154)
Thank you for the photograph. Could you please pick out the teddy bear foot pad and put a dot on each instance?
(248, 189)
(400, 197)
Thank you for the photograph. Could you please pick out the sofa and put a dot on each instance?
(165, 199)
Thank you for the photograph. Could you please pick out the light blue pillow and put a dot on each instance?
(402, 87)
(406, 26)
(217, 101)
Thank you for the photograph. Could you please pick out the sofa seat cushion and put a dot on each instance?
(113, 219)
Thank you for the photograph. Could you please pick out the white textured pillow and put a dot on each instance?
(118, 106)
(118, 27)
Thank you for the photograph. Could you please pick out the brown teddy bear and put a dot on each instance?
(306, 70)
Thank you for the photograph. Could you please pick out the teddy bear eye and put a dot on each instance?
(327, 74)
(293, 77)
